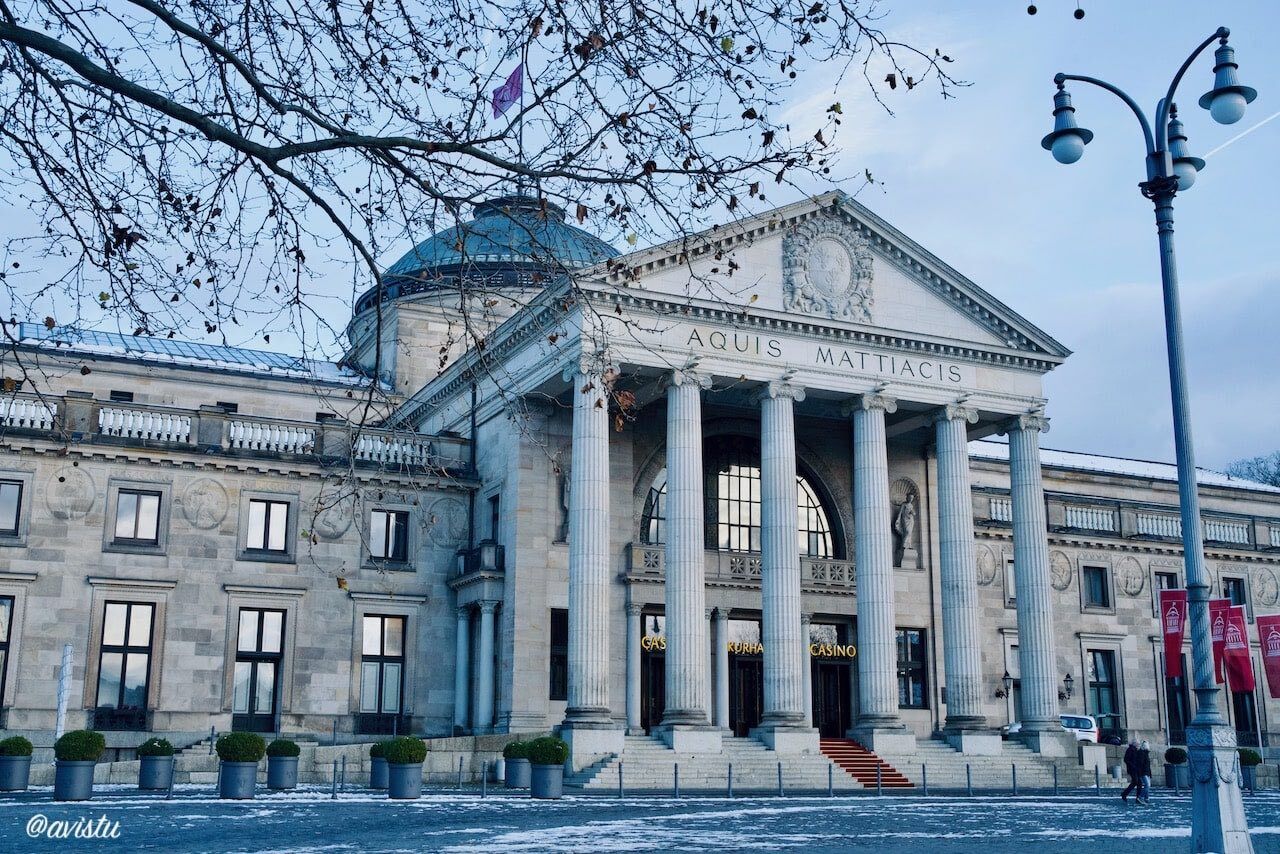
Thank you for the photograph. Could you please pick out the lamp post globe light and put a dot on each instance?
(1217, 810)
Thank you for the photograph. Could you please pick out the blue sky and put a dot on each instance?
(1073, 248)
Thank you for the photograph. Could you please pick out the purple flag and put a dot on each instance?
(508, 93)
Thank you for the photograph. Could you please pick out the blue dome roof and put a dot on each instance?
(509, 230)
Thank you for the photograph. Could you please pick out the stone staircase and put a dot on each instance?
(863, 765)
(946, 768)
(647, 764)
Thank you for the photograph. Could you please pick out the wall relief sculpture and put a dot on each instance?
(1130, 576)
(986, 564)
(448, 521)
(1060, 571)
(905, 500)
(827, 270)
(1265, 587)
(204, 503)
(70, 493)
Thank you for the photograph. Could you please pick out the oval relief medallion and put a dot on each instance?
(70, 493)
(1131, 577)
(448, 520)
(204, 503)
(1265, 586)
(986, 564)
(332, 522)
(1059, 571)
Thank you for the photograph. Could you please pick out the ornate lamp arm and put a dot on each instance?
(1119, 93)
(1162, 111)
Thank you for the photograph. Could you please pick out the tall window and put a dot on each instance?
(382, 665)
(559, 689)
(732, 491)
(1244, 710)
(1097, 592)
(1104, 697)
(137, 517)
(912, 689)
(1233, 589)
(124, 666)
(495, 516)
(259, 652)
(1179, 705)
(389, 535)
(6, 623)
(10, 506)
(268, 525)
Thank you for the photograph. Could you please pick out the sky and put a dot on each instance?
(1073, 248)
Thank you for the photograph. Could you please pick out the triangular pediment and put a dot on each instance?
(831, 261)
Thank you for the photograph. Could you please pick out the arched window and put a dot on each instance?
(731, 493)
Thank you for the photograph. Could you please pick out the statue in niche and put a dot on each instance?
(905, 554)
(562, 488)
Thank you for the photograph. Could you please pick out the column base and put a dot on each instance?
(884, 739)
(1049, 743)
(691, 738)
(1217, 806)
(975, 742)
(591, 741)
(787, 738)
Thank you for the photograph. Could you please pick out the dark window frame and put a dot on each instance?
(558, 657)
(126, 650)
(395, 535)
(1100, 598)
(16, 530)
(264, 548)
(382, 659)
(137, 495)
(1109, 720)
(10, 604)
(254, 658)
(119, 396)
(912, 671)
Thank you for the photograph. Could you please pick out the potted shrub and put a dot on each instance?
(282, 764)
(77, 753)
(405, 756)
(240, 753)
(547, 755)
(1250, 759)
(378, 765)
(155, 770)
(1176, 773)
(15, 764)
(516, 756)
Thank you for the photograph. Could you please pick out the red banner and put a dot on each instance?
(1218, 609)
(1173, 625)
(1269, 637)
(1235, 651)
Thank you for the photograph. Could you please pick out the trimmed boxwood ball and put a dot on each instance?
(241, 747)
(1175, 756)
(379, 749)
(15, 745)
(516, 750)
(155, 747)
(283, 747)
(548, 750)
(1249, 757)
(81, 745)
(406, 750)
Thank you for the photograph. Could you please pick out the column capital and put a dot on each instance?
(872, 400)
(464, 612)
(955, 412)
(720, 614)
(1034, 421)
(806, 619)
(709, 612)
(686, 376)
(634, 609)
(780, 388)
(488, 606)
(595, 365)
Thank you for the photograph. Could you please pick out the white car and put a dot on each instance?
(1083, 727)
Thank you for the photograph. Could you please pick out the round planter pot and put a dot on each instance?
(517, 773)
(73, 781)
(238, 780)
(155, 772)
(404, 782)
(15, 773)
(1177, 776)
(282, 772)
(1250, 778)
(377, 773)
(547, 781)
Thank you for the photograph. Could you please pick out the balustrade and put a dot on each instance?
(146, 424)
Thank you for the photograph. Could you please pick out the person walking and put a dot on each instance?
(1143, 762)
(1130, 768)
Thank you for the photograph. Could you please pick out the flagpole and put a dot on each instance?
(524, 72)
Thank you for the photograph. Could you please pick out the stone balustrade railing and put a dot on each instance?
(1002, 509)
(1226, 531)
(646, 559)
(80, 418)
(1089, 517)
(1158, 525)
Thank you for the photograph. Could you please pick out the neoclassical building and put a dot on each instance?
(781, 482)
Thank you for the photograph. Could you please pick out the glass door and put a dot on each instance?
(259, 652)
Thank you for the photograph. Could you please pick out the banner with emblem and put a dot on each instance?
(1218, 609)
(1269, 638)
(1235, 651)
(1173, 626)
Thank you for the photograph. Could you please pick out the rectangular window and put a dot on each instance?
(6, 623)
(912, 689)
(559, 689)
(1178, 702)
(121, 396)
(124, 666)
(1010, 581)
(389, 535)
(268, 525)
(495, 516)
(1104, 695)
(1233, 589)
(137, 517)
(382, 665)
(229, 408)
(259, 653)
(10, 506)
(1097, 592)
(1244, 711)
(1166, 581)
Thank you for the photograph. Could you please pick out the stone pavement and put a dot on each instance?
(308, 821)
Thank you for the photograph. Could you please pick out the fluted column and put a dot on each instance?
(1036, 656)
(484, 654)
(462, 670)
(873, 559)
(589, 553)
(961, 637)
(805, 620)
(633, 666)
(721, 617)
(686, 659)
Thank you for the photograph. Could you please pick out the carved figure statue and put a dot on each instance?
(904, 529)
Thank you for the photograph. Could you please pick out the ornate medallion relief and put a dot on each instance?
(1130, 576)
(986, 563)
(448, 520)
(204, 503)
(1059, 571)
(70, 493)
(827, 269)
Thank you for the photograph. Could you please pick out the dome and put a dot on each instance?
(510, 239)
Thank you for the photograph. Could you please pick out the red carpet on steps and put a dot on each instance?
(861, 764)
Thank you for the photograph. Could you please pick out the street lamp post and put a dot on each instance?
(1217, 811)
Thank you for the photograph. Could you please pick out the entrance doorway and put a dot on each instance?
(831, 670)
(746, 693)
(653, 677)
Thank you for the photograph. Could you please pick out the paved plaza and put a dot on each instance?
(309, 821)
